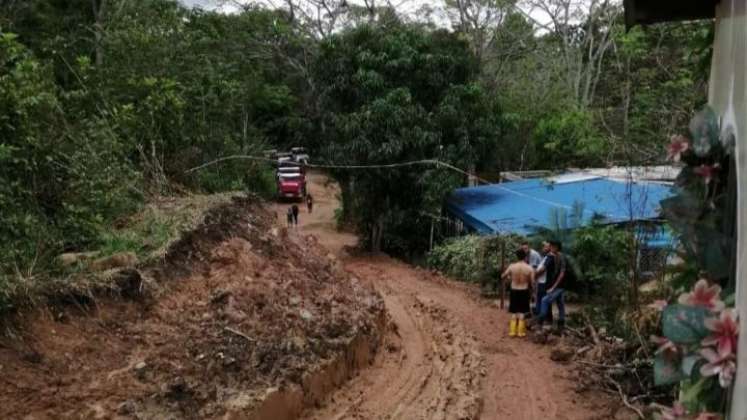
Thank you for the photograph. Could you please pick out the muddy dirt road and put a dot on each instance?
(449, 356)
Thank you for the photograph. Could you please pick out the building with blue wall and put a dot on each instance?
(526, 206)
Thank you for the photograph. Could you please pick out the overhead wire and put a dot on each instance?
(434, 162)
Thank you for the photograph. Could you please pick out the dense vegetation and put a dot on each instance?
(93, 125)
(475, 258)
(105, 104)
(397, 93)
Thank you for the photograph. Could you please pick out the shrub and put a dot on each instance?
(237, 176)
(261, 181)
(473, 258)
(601, 256)
(149, 232)
(62, 175)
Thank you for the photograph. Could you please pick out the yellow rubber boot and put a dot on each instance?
(512, 328)
(522, 328)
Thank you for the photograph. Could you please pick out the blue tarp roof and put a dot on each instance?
(521, 206)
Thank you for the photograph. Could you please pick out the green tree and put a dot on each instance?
(569, 139)
(397, 93)
(62, 178)
(200, 85)
(652, 84)
(102, 106)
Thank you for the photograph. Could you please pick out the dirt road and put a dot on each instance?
(449, 356)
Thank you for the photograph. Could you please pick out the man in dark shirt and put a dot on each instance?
(295, 210)
(555, 291)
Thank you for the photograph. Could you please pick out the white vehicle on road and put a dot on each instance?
(300, 154)
(284, 157)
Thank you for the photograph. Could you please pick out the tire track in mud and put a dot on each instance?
(483, 374)
(431, 369)
(455, 359)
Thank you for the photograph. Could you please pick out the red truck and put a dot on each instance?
(291, 182)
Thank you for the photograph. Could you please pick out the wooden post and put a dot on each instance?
(501, 281)
(486, 281)
(430, 247)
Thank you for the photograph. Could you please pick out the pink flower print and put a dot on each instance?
(678, 145)
(725, 330)
(704, 295)
(722, 364)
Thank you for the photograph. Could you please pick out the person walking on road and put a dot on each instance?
(555, 293)
(289, 217)
(522, 277)
(309, 202)
(295, 214)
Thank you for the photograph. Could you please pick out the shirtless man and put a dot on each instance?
(522, 279)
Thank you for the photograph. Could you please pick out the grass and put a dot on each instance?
(151, 231)
(147, 233)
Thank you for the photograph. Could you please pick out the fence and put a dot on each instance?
(652, 262)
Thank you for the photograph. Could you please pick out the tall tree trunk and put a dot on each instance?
(99, 14)
(377, 234)
(626, 101)
(471, 178)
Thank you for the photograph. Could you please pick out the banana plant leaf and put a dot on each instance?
(685, 324)
(704, 129)
(667, 370)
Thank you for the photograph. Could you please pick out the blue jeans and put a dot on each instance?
(554, 296)
(541, 293)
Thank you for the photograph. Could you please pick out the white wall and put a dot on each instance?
(728, 96)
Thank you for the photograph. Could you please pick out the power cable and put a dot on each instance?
(433, 162)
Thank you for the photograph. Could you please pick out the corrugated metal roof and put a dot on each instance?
(522, 206)
(662, 173)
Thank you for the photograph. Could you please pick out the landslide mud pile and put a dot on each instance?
(242, 320)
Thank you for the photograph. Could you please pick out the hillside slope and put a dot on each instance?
(240, 320)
